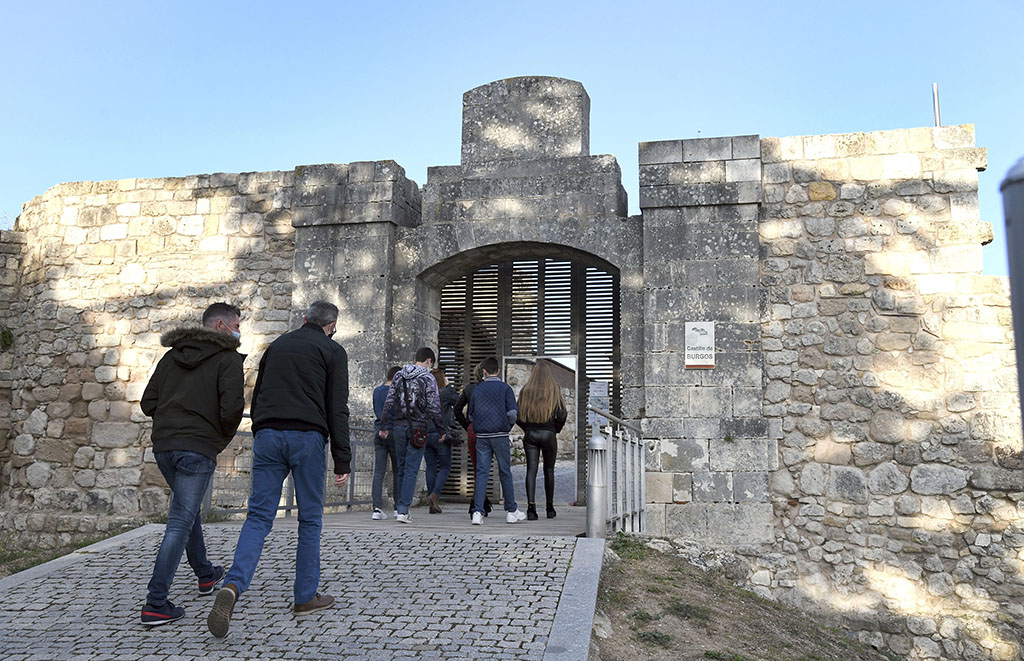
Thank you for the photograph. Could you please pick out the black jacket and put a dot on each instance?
(195, 396)
(461, 403)
(554, 424)
(303, 385)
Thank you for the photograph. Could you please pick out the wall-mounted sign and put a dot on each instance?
(599, 399)
(700, 344)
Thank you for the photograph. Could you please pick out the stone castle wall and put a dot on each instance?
(857, 445)
(106, 268)
(890, 366)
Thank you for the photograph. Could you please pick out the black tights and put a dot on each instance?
(535, 442)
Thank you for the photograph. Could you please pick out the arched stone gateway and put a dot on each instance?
(856, 442)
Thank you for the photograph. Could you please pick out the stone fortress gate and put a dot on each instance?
(855, 450)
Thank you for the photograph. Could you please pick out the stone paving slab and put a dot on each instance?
(403, 593)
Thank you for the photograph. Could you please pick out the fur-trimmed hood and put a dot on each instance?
(192, 345)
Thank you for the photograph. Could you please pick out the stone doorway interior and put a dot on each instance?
(546, 307)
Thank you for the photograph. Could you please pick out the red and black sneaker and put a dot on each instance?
(209, 584)
(153, 616)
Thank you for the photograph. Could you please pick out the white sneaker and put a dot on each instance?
(403, 518)
(478, 519)
(514, 517)
(378, 515)
(396, 514)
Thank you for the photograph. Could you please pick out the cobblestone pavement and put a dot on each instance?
(402, 594)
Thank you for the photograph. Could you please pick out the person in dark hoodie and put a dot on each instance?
(300, 400)
(411, 401)
(195, 398)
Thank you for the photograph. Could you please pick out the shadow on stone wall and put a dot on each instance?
(890, 363)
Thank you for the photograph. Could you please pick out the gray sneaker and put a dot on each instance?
(219, 619)
(317, 603)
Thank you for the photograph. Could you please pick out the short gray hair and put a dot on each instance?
(322, 313)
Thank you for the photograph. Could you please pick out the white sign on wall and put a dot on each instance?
(599, 399)
(700, 344)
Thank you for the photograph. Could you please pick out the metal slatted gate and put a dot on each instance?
(542, 307)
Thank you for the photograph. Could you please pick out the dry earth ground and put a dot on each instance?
(654, 605)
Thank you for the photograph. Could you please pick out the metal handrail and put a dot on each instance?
(615, 419)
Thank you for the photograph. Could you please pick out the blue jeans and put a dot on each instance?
(500, 447)
(382, 449)
(276, 452)
(188, 474)
(439, 462)
(410, 467)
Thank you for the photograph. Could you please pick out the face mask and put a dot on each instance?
(237, 335)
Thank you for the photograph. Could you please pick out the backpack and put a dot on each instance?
(412, 399)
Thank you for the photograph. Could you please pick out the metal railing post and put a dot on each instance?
(597, 496)
(1013, 210)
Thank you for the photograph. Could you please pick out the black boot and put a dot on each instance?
(531, 512)
(551, 511)
(487, 506)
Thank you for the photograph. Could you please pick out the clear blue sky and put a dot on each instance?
(149, 89)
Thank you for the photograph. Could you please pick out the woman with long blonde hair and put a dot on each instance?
(542, 414)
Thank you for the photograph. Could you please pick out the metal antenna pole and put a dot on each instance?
(1013, 209)
(935, 104)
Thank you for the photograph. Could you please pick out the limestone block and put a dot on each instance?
(125, 500)
(684, 455)
(655, 520)
(829, 452)
(933, 479)
(743, 170)
(38, 474)
(712, 487)
(115, 434)
(887, 427)
(659, 487)
(881, 507)
(707, 149)
(746, 146)
(682, 487)
(710, 402)
(665, 151)
(23, 444)
(743, 523)
(887, 479)
(847, 484)
(743, 454)
(995, 478)
(869, 453)
(36, 422)
(752, 487)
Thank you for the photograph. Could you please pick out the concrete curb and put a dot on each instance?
(574, 619)
(33, 573)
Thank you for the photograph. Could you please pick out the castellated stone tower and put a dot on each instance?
(855, 450)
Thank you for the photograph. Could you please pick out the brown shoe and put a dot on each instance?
(435, 503)
(219, 619)
(317, 603)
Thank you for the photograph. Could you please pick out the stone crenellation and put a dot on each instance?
(855, 451)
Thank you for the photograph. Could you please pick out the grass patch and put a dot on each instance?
(655, 638)
(725, 656)
(628, 547)
(10, 554)
(644, 616)
(686, 611)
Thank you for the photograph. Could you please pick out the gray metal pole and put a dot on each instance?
(597, 488)
(935, 104)
(1013, 210)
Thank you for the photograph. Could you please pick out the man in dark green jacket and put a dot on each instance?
(195, 398)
